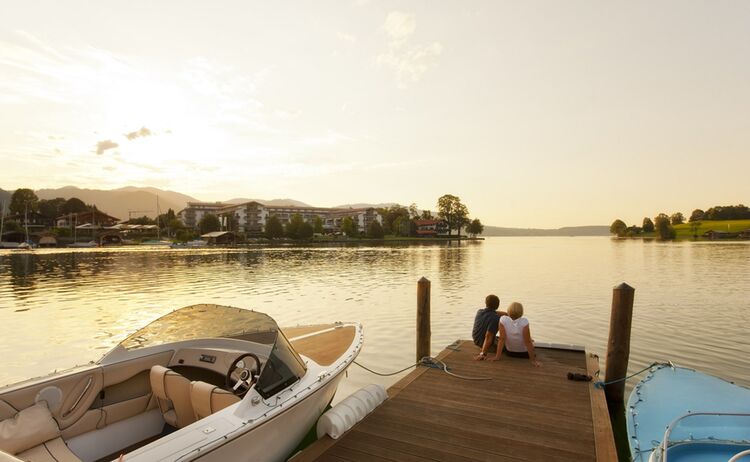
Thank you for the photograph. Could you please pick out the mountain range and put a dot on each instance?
(131, 201)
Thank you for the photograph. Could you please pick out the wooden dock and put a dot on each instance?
(522, 414)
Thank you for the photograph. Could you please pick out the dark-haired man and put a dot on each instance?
(485, 325)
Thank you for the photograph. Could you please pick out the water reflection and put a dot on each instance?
(59, 308)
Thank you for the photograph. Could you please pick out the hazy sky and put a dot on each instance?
(536, 114)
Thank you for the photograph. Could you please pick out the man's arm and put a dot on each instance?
(488, 339)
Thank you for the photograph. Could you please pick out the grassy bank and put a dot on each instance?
(684, 230)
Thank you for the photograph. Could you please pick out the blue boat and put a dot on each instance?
(681, 415)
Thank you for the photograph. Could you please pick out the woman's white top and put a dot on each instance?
(514, 333)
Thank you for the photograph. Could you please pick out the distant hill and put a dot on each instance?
(566, 231)
(117, 202)
(272, 202)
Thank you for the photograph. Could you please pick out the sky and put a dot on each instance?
(534, 113)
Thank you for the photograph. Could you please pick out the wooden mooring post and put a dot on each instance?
(618, 347)
(423, 318)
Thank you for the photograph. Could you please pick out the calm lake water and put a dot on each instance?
(59, 307)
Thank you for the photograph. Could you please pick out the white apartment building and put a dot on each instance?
(252, 216)
(192, 214)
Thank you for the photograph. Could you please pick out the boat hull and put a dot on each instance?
(275, 440)
(668, 393)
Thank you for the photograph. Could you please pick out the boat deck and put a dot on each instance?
(323, 343)
(522, 414)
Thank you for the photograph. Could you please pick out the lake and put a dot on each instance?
(60, 307)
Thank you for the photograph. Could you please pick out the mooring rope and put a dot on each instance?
(601, 383)
(427, 361)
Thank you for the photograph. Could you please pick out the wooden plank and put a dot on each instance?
(396, 388)
(522, 414)
(604, 439)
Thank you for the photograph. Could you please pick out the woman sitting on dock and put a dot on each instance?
(515, 336)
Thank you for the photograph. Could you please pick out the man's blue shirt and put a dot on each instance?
(485, 320)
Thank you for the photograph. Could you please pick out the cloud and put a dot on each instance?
(143, 132)
(344, 37)
(407, 61)
(400, 26)
(102, 146)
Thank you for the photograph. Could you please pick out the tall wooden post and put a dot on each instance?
(423, 318)
(618, 347)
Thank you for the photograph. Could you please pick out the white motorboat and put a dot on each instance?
(194, 244)
(205, 382)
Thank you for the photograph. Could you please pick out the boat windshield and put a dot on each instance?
(700, 428)
(283, 367)
(205, 321)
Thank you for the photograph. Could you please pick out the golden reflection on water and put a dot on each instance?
(59, 308)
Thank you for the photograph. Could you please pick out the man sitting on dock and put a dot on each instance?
(485, 325)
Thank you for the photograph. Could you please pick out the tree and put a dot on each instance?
(453, 212)
(694, 226)
(274, 229)
(697, 215)
(648, 225)
(174, 226)
(663, 227)
(728, 212)
(51, 209)
(390, 214)
(229, 222)
(677, 218)
(23, 200)
(618, 227)
(348, 227)
(293, 227)
(305, 231)
(413, 211)
(632, 231)
(144, 220)
(209, 223)
(375, 230)
(475, 227)
(426, 215)
(74, 205)
(318, 225)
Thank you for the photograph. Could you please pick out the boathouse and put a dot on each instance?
(220, 238)
(717, 234)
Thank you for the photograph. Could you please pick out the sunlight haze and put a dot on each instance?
(536, 114)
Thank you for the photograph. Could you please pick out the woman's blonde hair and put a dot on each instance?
(515, 310)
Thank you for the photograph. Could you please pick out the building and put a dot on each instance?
(95, 218)
(251, 217)
(718, 234)
(195, 211)
(219, 238)
(429, 228)
(34, 221)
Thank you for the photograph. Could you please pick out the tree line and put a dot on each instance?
(397, 220)
(663, 225)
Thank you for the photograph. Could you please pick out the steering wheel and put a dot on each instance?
(240, 377)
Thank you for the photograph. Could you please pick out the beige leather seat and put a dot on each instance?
(52, 451)
(32, 435)
(172, 392)
(207, 399)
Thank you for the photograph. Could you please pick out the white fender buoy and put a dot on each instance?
(341, 417)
